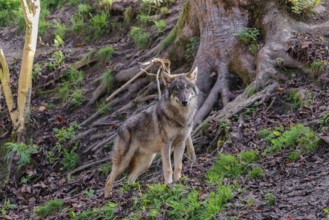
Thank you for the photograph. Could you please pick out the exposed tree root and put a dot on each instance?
(102, 143)
(87, 166)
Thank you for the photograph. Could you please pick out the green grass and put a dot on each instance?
(141, 38)
(225, 166)
(179, 202)
(51, 207)
(104, 55)
(216, 201)
(298, 137)
(249, 157)
(256, 173)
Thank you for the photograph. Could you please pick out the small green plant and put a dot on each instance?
(37, 71)
(107, 80)
(105, 5)
(57, 59)
(64, 91)
(271, 199)
(26, 179)
(251, 90)
(191, 49)
(90, 193)
(66, 134)
(99, 25)
(84, 10)
(74, 77)
(141, 39)
(303, 6)
(24, 152)
(77, 98)
(78, 24)
(249, 37)
(128, 15)
(160, 25)
(51, 157)
(103, 107)
(144, 20)
(70, 159)
(60, 29)
(326, 210)
(105, 169)
(294, 155)
(129, 186)
(256, 173)
(250, 200)
(295, 99)
(164, 10)
(225, 166)
(7, 205)
(51, 207)
(317, 66)
(104, 55)
(58, 41)
(249, 157)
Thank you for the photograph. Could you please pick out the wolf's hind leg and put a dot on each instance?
(178, 157)
(141, 163)
(116, 171)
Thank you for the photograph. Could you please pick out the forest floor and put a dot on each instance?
(290, 187)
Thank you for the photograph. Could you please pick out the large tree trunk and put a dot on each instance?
(220, 52)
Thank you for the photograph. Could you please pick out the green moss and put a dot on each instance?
(51, 207)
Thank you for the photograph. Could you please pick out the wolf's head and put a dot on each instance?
(181, 88)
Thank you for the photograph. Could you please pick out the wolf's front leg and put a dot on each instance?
(178, 157)
(166, 163)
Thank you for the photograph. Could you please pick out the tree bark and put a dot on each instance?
(31, 9)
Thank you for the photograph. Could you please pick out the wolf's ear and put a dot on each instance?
(193, 75)
(166, 78)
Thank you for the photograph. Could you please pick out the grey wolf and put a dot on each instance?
(160, 129)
